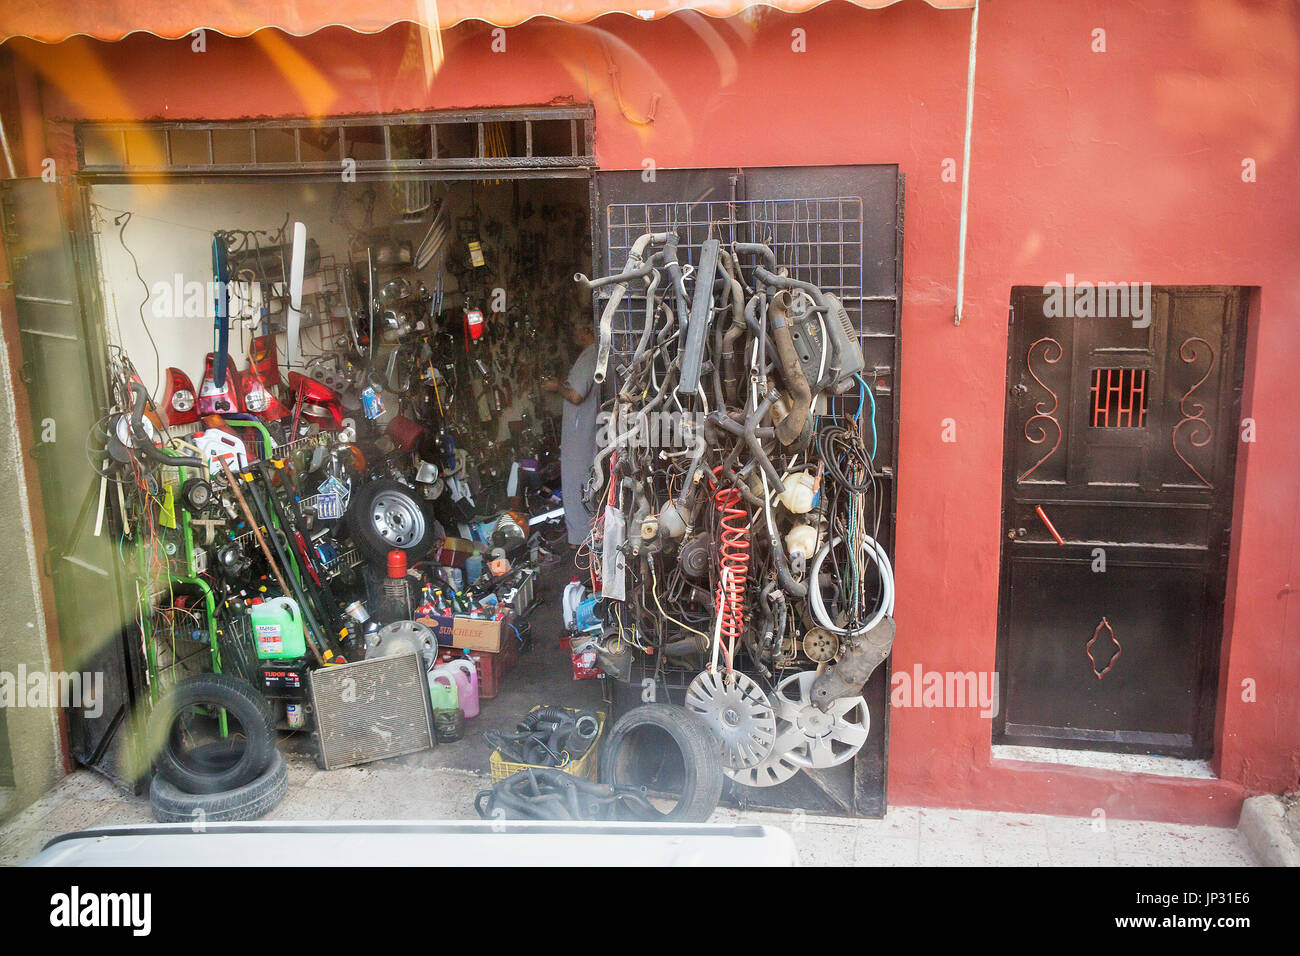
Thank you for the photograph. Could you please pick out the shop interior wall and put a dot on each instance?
(1124, 161)
(170, 235)
(168, 305)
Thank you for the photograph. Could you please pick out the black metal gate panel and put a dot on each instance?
(1121, 435)
(839, 227)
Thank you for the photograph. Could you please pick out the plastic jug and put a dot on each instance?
(277, 629)
(443, 693)
(584, 617)
(464, 676)
(574, 592)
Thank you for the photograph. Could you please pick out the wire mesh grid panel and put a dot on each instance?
(817, 240)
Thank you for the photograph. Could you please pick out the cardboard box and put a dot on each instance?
(469, 633)
(454, 552)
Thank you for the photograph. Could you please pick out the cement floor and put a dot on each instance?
(907, 836)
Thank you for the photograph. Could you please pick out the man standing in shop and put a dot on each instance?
(578, 434)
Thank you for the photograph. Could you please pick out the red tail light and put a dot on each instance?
(258, 399)
(218, 401)
(314, 402)
(180, 404)
(264, 356)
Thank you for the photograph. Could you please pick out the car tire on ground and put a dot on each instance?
(384, 515)
(665, 749)
(222, 765)
(253, 800)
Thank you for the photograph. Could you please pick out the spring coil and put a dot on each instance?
(733, 564)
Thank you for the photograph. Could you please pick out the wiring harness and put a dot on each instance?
(737, 497)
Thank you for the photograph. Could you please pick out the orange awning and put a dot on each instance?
(51, 21)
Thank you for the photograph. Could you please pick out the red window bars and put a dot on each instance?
(1119, 398)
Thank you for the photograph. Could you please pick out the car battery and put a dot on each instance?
(284, 680)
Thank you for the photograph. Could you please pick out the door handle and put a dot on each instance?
(1051, 528)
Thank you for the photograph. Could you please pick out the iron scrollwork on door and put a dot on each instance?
(1044, 413)
(1119, 648)
(1201, 431)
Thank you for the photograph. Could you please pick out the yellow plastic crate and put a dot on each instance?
(587, 766)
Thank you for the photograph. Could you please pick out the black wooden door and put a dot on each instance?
(1121, 440)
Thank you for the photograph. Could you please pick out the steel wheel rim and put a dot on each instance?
(397, 518)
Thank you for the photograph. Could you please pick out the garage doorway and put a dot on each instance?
(511, 184)
(1121, 441)
(178, 183)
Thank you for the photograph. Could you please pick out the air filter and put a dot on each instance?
(371, 709)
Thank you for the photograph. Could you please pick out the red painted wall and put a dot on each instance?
(1119, 165)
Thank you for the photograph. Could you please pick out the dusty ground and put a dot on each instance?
(402, 789)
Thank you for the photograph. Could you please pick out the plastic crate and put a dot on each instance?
(587, 766)
(492, 668)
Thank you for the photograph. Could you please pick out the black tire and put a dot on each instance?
(412, 529)
(217, 756)
(218, 766)
(254, 799)
(665, 749)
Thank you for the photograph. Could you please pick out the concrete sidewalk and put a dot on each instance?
(907, 836)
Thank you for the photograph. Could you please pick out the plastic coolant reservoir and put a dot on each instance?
(802, 540)
(277, 629)
(799, 493)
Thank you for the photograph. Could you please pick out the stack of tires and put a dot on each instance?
(240, 777)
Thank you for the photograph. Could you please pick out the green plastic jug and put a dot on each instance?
(277, 629)
(442, 692)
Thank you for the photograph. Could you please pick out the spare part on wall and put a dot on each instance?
(196, 495)
(738, 712)
(371, 709)
(214, 398)
(738, 500)
(221, 321)
(272, 263)
(180, 404)
(633, 269)
(830, 736)
(777, 767)
(315, 404)
(264, 356)
(296, 270)
(259, 400)
(820, 645)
